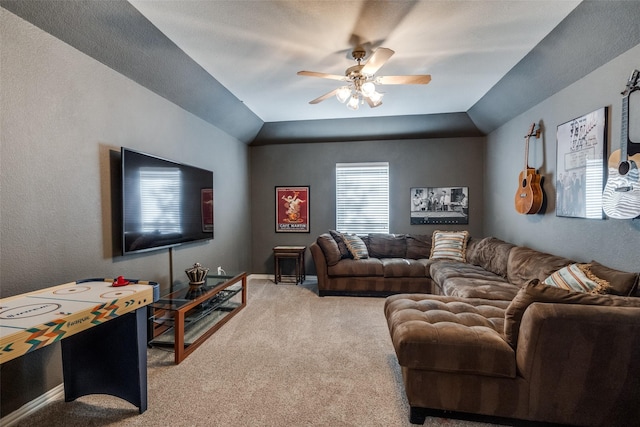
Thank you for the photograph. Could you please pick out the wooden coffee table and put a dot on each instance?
(186, 317)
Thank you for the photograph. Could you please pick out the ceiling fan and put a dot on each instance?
(361, 79)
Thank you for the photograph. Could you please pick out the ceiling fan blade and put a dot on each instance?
(377, 60)
(420, 79)
(321, 75)
(323, 97)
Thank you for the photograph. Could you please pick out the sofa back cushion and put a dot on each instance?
(525, 264)
(418, 246)
(387, 245)
(621, 283)
(330, 248)
(492, 254)
(342, 246)
(534, 291)
(470, 252)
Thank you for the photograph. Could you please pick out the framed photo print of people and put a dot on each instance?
(580, 168)
(439, 205)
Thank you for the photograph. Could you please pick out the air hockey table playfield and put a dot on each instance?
(102, 328)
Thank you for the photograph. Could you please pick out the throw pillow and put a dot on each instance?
(622, 283)
(338, 237)
(535, 291)
(356, 246)
(330, 248)
(449, 245)
(579, 278)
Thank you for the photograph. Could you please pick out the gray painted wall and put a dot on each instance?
(615, 243)
(412, 163)
(62, 113)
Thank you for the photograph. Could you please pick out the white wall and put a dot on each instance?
(615, 243)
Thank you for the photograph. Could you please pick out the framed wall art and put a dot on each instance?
(439, 205)
(292, 209)
(580, 168)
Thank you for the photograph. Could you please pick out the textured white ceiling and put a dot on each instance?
(255, 47)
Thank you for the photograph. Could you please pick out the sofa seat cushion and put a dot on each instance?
(441, 271)
(360, 267)
(467, 287)
(402, 267)
(447, 334)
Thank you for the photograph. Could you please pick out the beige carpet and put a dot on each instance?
(290, 358)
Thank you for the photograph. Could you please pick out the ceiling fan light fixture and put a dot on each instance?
(368, 89)
(343, 94)
(375, 97)
(360, 81)
(353, 103)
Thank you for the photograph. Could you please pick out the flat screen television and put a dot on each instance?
(164, 203)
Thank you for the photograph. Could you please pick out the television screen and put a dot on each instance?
(164, 203)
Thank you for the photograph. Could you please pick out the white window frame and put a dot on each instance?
(362, 197)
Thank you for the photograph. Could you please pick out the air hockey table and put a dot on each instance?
(102, 328)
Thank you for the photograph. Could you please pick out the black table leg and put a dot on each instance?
(110, 358)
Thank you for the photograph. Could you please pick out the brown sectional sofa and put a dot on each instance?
(396, 264)
(484, 336)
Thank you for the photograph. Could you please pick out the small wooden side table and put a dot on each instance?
(292, 252)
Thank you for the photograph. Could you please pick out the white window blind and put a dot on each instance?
(362, 197)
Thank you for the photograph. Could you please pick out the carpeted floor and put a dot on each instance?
(290, 358)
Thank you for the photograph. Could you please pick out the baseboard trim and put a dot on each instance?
(28, 408)
(260, 276)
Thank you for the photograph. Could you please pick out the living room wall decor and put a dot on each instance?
(439, 205)
(581, 161)
(292, 209)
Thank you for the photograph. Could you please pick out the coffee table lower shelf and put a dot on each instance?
(185, 323)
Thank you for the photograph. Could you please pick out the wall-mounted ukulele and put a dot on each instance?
(529, 196)
(621, 195)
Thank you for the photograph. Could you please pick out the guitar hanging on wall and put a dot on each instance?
(621, 195)
(528, 199)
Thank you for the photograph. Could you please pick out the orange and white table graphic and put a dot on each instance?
(36, 319)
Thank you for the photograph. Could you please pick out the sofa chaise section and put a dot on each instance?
(549, 355)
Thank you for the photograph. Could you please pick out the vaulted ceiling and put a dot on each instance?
(234, 63)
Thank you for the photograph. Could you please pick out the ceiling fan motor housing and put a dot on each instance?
(358, 54)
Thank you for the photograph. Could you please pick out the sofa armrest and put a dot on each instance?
(321, 265)
(581, 363)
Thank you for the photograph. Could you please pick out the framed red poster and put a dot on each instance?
(292, 209)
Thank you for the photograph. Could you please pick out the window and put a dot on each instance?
(362, 198)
